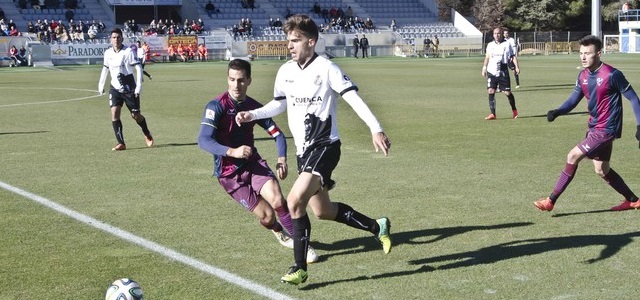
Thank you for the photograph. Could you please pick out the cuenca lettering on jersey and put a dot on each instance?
(307, 100)
(78, 50)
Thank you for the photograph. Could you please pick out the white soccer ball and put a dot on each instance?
(124, 289)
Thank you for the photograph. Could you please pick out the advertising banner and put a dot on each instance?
(268, 48)
(72, 51)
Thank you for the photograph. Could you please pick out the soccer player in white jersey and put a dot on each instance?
(308, 87)
(514, 48)
(496, 70)
(119, 62)
(141, 56)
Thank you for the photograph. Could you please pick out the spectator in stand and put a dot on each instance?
(101, 26)
(203, 54)
(12, 23)
(4, 29)
(368, 25)
(31, 28)
(277, 23)
(325, 15)
(13, 31)
(92, 33)
(211, 9)
(333, 13)
(316, 8)
(349, 13)
(61, 33)
(393, 25)
(200, 24)
(22, 4)
(69, 14)
(235, 31)
(1, 14)
(340, 13)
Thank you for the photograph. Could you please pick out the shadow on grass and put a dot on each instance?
(599, 211)
(546, 87)
(501, 252)
(364, 244)
(23, 132)
(545, 115)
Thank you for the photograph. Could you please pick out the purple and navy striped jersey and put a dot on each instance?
(219, 132)
(603, 89)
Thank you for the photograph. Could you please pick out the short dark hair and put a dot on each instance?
(116, 30)
(302, 23)
(591, 40)
(240, 65)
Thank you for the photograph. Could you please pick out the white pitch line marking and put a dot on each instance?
(155, 247)
(53, 101)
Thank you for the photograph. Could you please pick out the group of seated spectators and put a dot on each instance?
(244, 28)
(58, 31)
(45, 4)
(339, 20)
(350, 25)
(186, 53)
(171, 27)
(9, 28)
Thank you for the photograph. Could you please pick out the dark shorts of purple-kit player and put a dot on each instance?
(117, 98)
(321, 161)
(503, 82)
(597, 145)
(245, 184)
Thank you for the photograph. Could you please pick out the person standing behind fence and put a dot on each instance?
(514, 49)
(364, 46)
(496, 71)
(356, 44)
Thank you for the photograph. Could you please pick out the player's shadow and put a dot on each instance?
(544, 87)
(545, 115)
(416, 237)
(23, 132)
(612, 244)
(599, 211)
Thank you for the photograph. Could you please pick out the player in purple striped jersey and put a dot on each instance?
(603, 86)
(239, 168)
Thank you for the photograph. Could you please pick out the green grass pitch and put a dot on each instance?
(458, 189)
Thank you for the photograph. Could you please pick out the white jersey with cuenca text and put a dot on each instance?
(499, 55)
(119, 62)
(312, 98)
